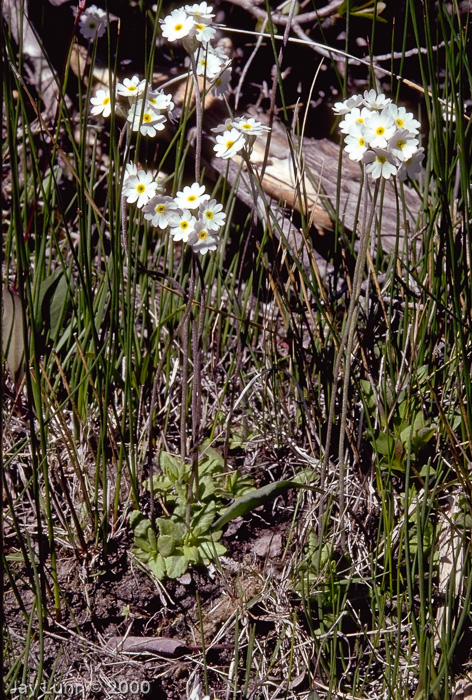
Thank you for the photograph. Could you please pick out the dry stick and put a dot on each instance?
(346, 343)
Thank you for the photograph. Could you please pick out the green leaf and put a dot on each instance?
(202, 521)
(139, 523)
(170, 528)
(166, 545)
(58, 306)
(209, 551)
(176, 566)
(158, 566)
(206, 487)
(256, 498)
(191, 553)
(12, 334)
(172, 466)
(144, 544)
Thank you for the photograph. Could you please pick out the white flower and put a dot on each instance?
(131, 169)
(159, 210)
(355, 142)
(102, 103)
(221, 128)
(412, 166)
(374, 101)
(191, 197)
(181, 225)
(404, 119)
(221, 84)
(93, 22)
(159, 101)
(139, 188)
(209, 62)
(349, 104)
(201, 239)
(250, 126)
(378, 129)
(204, 32)
(177, 25)
(353, 118)
(201, 12)
(211, 214)
(145, 119)
(402, 144)
(380, 163)
(229, 143)
(131, 88)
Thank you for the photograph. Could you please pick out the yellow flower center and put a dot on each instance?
(209, 215)
(160, 209)
(131, 88)
(380, 130)
(399, 122)
(106, 100)
(147, 117)
(361, 141)
(381, 159)
(229, 144)
(141, 188)
(178, 27)
(360, 120)
(184, 225)
(401, 144)
(203, 235)
(247, 126)
(191, 198)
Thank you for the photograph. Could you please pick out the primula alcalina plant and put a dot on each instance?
(380, 135)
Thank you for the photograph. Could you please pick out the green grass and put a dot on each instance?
(134, 349)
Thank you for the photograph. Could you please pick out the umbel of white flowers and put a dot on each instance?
(380, 135)
(191, 216)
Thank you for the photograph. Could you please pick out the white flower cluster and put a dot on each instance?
(192, 24)
(92, 22)
(236, 134)
(148, 108)
(192, 217)
(380, 135)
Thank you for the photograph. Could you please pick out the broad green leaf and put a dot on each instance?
(176, 566)
(191, 553)
(58, 306)
(169, 527)
(256, 498)
(209, 551)
(12, 334)
(166, 545)
(139, 523)
(202, 521)
(158, 566)
(144, 544)
(171, 466)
